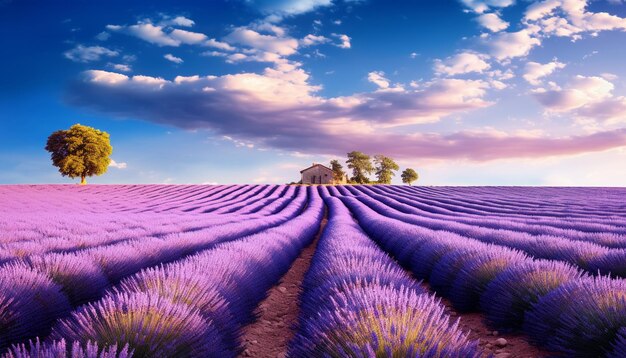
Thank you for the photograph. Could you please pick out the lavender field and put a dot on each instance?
(182, 270)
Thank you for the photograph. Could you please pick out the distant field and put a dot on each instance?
(317, 271)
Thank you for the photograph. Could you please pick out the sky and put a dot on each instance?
(467, 92)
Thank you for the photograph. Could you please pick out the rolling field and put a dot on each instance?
(362, 271)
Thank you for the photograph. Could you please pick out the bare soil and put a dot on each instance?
(516, 345)
(269, 336)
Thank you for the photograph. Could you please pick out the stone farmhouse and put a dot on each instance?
(319, 174)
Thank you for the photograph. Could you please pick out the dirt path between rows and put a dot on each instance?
(501, 345)
(269, 336)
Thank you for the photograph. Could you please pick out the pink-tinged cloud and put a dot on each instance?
(569, 18)
(282, 110)
(588, 98)
(466, 145)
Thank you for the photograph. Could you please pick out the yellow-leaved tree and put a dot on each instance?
(80, 151)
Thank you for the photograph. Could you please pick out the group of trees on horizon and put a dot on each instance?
(362, 166)
(83, 151)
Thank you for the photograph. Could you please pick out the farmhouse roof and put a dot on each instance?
(315, 165)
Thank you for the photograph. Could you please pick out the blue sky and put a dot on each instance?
(469, 92)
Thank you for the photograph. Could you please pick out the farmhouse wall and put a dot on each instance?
(317, 175)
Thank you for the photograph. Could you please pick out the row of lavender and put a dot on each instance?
(39, 289)
(118, 198)
(357, 302)
(536, 224)
(582, 251)
(191, 308)
(64, 232)
(520, 202)
(591, 229)
(559, 305)
(196, 307)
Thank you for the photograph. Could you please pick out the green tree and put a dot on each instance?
(338, 173)
(409, 175)
(80, 151)
(361, 167)
(385, 168)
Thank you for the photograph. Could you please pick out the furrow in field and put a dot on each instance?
(205, 299)
(555, 304)
(77, 278)
(591, 230)
(588, 256)
(357, 302)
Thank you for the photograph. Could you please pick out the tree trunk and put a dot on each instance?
(83, 180)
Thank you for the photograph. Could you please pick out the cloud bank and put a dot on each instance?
(281, 109)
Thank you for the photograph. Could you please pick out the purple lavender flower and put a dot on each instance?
(80, 279)
(149, 324)
(478, 271)
(406, 322)
(580, 318)
(59, 349)
(29, 302)
(517, 289)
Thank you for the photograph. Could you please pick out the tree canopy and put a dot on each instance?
(338, 173)
(409, 176)
(361, 167)
(385, 168)
(80, 151)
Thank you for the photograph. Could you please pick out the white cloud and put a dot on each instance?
(534, 71)
(345, 40)
(378, 78)
(610, 111)
(82, 53)
(280, 45)
(286, 8)
(506, 45)
(150, 81)
(282, 99)
(464, 62)
(147, 32)
(265, 26)
(184, 79)
(162, 35)
(581, 91)
(103, 36)
(120, 165)
(492, 22)
(501, 75)
(569, 18)
(173, 58)
(540, 9)
(187, 37)
(312, 40)
(480, 6)
(218, 45)
(609, 76)
(109, 78)
(120, 67)
(177, 21)
(282, 109)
